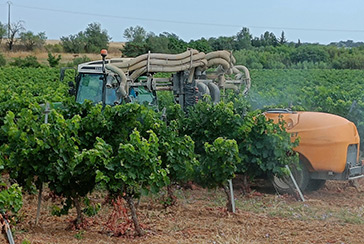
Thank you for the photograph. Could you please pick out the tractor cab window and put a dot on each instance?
(142, 96)
(90, 88)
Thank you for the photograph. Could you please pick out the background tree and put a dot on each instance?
(31, 41)
(92, 40)
(266, 39)
(3, 31)
(157, 44)
(165, 43)
(175, 44)
(201, 45)
(140, 42)
(310, 53)
(243, 39)
(15, 29)
(95, 38)
(282, 40)
(264, 52)
(136, 45)
(73, 43)
(222, 43)
(135, 34)
(133, 49)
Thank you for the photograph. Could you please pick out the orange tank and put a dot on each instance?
(324, 138)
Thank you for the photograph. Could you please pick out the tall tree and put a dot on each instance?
(298, 43)
(222, 43)
(73, 43)
(282, 39)
(135, 34)
(266, 39)
(269, 39)
(243, 39)
(15, 29)
(31, 41)
(136, 45)
(92, 40)
(175, 44)
(201, 45)
(158, 44)
(95, 38)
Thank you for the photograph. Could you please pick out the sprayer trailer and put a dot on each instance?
(329, 144)
(328, 148)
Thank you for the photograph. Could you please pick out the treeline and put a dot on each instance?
(264, 52)
(17, 38)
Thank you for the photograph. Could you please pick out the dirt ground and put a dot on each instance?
(334, 214)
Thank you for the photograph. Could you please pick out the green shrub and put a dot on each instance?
(53, 60)
(78, 60)
(54, 48)
(2, 60)
(27, 62)
(11, 199)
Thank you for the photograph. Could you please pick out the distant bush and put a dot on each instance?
(78, 60)
(54, 48)
(2, 60)
(27, 62)
(53, 60)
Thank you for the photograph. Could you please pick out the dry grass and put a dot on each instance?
(42, 55)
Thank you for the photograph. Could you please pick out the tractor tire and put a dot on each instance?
(314, 184)
(283, 185)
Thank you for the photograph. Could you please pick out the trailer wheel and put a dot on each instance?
(315, 184)
(284, 184)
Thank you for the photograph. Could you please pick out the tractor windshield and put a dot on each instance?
(90, 88)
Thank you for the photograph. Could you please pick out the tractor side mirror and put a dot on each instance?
(72, 90)
(63, 72)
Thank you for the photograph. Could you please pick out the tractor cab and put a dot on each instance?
(101, 86)
(90, 87)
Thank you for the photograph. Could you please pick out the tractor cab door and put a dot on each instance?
(91, 87)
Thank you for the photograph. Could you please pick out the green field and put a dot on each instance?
(332, 91)
(129, 150)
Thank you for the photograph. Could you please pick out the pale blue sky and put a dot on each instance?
(321, 21)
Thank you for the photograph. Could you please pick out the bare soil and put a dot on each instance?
(334, 214)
